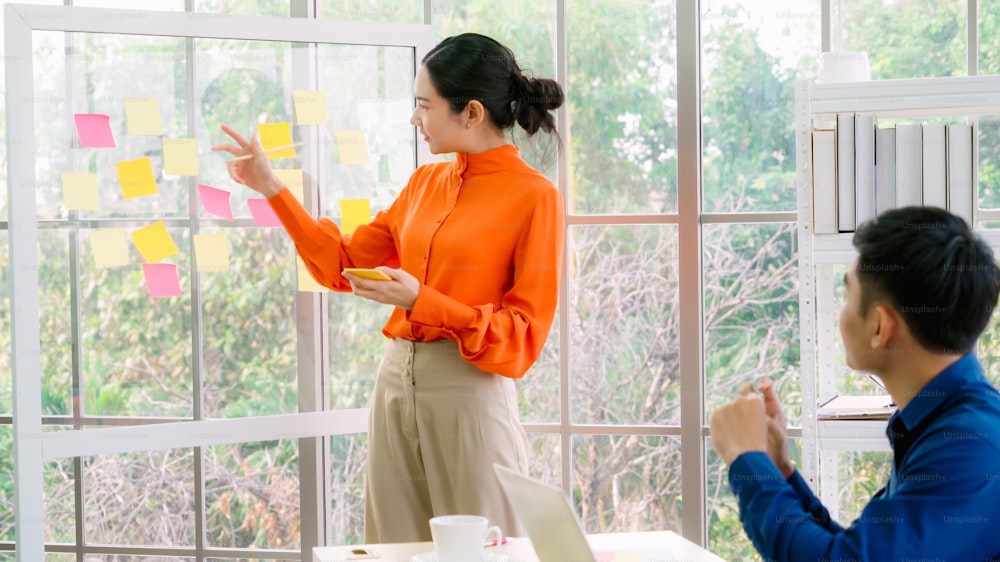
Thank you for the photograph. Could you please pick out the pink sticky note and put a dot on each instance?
(262, 213)
(161, 280)
(94, 130)
(216, 201)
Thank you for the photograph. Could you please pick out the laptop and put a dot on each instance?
(553, 527)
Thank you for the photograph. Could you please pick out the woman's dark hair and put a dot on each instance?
(938, 274)
(471, 66)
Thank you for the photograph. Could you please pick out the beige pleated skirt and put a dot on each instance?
(437, 425)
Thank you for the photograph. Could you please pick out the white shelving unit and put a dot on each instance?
(817, 105)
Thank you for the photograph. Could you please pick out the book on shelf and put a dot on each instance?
(933, 165)
(885, 169)
(877, 407)
(864, 159)
(959, 164)
(824, 178)
(846, 206)
(909, 167)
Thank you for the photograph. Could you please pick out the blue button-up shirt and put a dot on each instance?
(942, 501)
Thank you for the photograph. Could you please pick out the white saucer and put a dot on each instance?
(432, 556)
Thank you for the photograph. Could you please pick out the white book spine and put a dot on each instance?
(824, 176)
(934, 164)
(885, 169)
(864, 159)
(908, 165)
(846, 204)
(960, 195)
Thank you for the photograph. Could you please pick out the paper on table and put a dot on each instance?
(273, 135)
(143, 116)
(154, 242)
(161, 280)
(292, 179)
(80, 191)
(94, 130)
(262, 213)
(109, 247)
(351, 147)
(310, 107)
(354, 213)
(856, 407)
(306, 282)
(215, 201)
(211, 252)
(180, 157)
(136, 178)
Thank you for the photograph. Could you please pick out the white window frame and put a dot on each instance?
(313, 424)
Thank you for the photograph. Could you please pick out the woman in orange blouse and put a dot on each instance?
(474, 248)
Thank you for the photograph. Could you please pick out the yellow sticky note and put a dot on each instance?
(136, 178)
(154, 242)
(354, 213)
(352, 147)
(306, 282)
(211, 252)
(180, 157)
(109, 247)
(143, 116)
(293, 181)
(310, 107)
(80, 191)
(274, 135)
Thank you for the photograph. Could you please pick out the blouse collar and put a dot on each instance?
(494, 160)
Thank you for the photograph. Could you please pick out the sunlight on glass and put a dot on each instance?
(752, 55)
(904, 39)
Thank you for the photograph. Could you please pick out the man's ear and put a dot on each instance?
(886, 324)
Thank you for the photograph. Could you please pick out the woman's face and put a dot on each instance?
(441, 129)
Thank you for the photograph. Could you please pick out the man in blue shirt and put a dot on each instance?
(917, 298)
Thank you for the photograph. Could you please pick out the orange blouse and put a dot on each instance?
(484, 234)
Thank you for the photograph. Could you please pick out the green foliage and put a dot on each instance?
(748, 127)
(911, 39)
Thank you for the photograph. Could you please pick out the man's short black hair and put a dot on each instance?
(929, 266)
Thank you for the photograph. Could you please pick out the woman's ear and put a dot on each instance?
(475, 113)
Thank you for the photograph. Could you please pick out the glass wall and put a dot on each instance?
(112, 355)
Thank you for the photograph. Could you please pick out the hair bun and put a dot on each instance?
(538, 97)
(543, 93)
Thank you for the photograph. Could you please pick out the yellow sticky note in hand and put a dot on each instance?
(211, 252)
(354, 213)
(293, 181)
(306, 282)
(154, 242)
(136, 178)
(351, 147)
(109, 247)
(275, 135)
(310, 107)
(143, 116)
(180, 157)
(80, 191)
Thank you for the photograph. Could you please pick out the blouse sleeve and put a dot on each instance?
(508, 339)
(326, 251)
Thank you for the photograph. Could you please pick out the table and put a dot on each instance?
(519, 549)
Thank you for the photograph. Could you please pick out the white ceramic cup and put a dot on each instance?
(460, 538)
(843, 66)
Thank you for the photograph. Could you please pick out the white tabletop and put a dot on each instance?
(519, 549)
